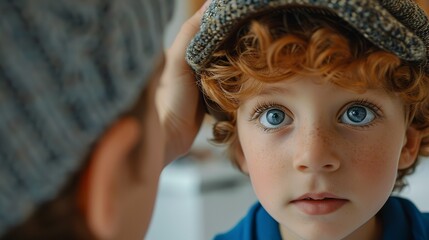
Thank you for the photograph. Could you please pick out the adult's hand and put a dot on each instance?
(180, 110)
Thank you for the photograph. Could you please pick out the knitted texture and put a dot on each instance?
(398, 26)
(68, 69)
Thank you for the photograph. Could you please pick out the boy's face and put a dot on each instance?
(322, 159)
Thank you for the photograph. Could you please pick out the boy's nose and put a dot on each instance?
(316, 151)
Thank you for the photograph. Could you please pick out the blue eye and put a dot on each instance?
(274, 118)
(358, 115)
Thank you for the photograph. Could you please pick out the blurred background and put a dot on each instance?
(201, 194)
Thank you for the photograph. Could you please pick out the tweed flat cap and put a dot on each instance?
(398, 26)
(68, 69)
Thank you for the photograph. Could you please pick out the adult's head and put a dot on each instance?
(80, 147)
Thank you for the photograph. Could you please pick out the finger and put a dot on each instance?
(188, 31)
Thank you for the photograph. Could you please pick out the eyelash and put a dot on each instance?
(368, 104)
(365, 103)
(261, 107)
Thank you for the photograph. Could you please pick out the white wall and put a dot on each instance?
(418, 189)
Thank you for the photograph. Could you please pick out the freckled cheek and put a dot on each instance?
(267, 167)
(376, 165)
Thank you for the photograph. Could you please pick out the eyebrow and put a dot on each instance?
(275, 90)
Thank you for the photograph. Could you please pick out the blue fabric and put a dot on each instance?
(401, 220)
(257, 224)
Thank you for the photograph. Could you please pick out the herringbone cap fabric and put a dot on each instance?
(398, 26)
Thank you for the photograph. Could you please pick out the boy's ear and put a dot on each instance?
(411, 147)
(100, 188)
(240, 158)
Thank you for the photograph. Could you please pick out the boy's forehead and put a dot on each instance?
(304, 87)
(264, 87)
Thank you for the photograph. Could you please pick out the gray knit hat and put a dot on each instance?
(398, 26)
(68, 69)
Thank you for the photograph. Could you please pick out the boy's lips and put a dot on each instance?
(318, 203)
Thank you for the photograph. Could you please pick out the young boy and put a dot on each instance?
(86, 122)
(325, 105)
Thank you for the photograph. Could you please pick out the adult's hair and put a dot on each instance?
(60, 218)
